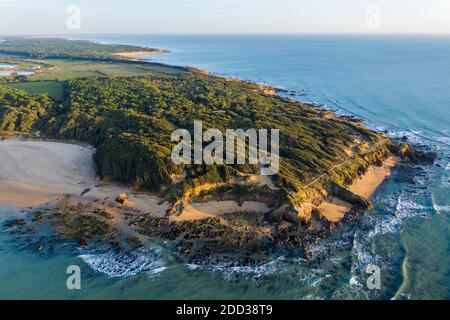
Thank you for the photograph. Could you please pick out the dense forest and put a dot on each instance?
(20, 111)
(130, 121)
(62, 48)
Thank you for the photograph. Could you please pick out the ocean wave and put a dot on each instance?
(439, 209)
(326, 247)
(254, 272)
(351, 292)
(311, 297)
(356, 287)
(281, 266)
(364, 258)
(404, 209)
(438, 140)
(126, 264)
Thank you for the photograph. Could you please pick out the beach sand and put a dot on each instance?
(38, 172)
(198, 211)
(374, 177)
(335, 209)
(137, 54)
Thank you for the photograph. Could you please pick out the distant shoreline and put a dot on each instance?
(140, 54)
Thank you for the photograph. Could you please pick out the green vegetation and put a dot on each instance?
(54, 89)
(63, 69)
(63, 48)
(20, 111)
(130, 119)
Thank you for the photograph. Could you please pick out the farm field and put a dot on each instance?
(62, 69)
(55, 89)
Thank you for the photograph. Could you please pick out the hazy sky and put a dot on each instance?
(226, 16)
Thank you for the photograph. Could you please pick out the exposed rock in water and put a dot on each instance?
(408, 173)
(80, 222)
(407, 153)
(244, 238)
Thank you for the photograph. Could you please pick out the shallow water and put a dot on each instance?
(6, 66)
(395, 83)
(19, 73)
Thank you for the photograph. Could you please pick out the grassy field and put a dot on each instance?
(64, 69)
(51, 73)
(54, 89)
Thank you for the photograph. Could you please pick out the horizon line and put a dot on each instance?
(231, 34)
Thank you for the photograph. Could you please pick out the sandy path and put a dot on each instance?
(37, 172)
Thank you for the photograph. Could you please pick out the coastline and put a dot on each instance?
(367, 184)
(323, 267)
(137, 55)
(47, 179)
(335, 209)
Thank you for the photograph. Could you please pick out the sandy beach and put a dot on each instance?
(335, 209)
(139, 54)
(198, 211)
(37, 172)
(374, 177)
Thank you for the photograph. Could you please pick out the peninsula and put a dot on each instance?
(122, 111)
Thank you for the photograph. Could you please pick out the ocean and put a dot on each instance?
(397, 84)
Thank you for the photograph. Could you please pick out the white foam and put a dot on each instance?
(254, 272)
(127, 264)
(404, 209)
(354, 282)
(324, 247)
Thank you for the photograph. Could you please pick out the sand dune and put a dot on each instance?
(37, 172)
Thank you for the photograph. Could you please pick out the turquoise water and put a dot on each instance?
(398, 84)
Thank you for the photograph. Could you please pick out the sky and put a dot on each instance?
(60, 17)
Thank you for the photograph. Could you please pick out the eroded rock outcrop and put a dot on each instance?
(334, 189)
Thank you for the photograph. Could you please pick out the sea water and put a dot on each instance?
(398, 84)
